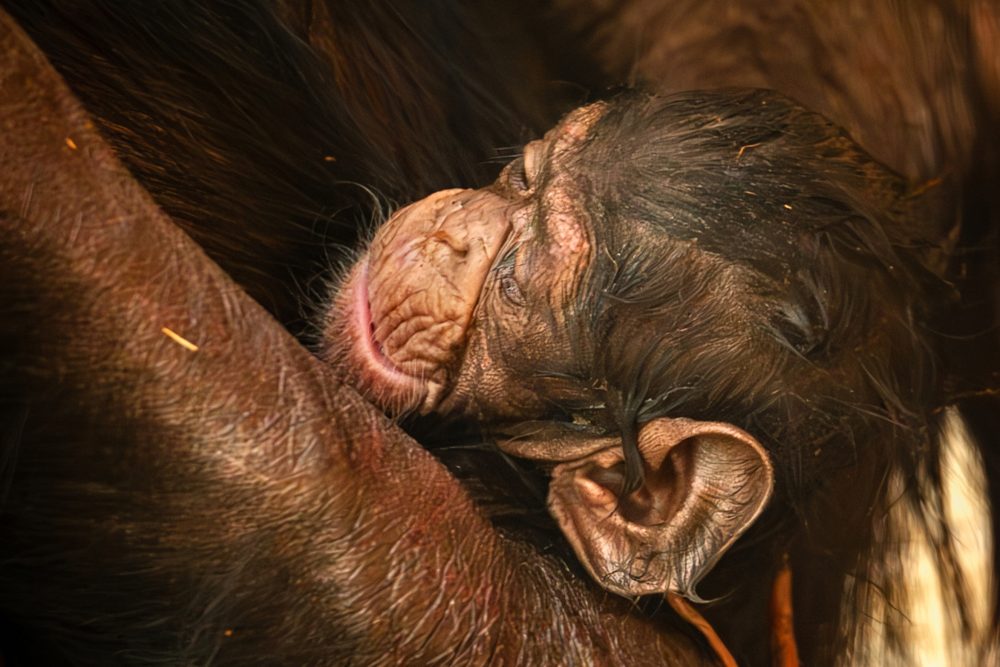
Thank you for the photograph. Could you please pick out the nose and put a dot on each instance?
(457, 243)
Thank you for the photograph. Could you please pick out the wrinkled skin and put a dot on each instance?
(250, 456)
(462, 292)
(444, 266)
(698, 278)
(182, 551)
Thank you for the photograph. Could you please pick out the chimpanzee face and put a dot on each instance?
(646, 295)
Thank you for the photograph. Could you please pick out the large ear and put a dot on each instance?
(705, 484)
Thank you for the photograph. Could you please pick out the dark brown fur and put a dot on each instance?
(118, 546)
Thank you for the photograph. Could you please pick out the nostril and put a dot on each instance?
(457, 246)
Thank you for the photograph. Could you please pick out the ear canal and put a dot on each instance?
(706, 483)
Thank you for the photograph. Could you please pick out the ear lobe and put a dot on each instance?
(706, 483)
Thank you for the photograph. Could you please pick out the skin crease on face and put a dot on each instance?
(688, 305)
(408, 305)
(228, 506)
(419, 311)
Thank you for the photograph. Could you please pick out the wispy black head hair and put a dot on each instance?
(772, 271)
(756, 266)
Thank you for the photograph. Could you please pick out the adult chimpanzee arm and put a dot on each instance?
(181, 482)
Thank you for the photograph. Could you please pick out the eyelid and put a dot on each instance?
(530, 163)
(517, 175)
(523, 172)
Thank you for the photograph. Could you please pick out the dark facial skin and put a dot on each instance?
(229, 520)
(683, 302)
(470, 302)
(235, 506)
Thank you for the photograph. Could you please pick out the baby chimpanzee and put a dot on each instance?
(686, 303)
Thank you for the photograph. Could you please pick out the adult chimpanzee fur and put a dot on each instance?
(322, 110)
(229, 505)
(236, 499)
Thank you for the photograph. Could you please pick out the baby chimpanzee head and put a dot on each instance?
(677, 299)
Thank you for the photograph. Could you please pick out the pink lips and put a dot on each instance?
(374, 358)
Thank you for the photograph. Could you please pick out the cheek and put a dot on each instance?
(511, 355)
(496, 378)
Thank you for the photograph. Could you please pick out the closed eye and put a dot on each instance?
(517, 176)
(510, 289)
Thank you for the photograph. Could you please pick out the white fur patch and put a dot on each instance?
(934, 634)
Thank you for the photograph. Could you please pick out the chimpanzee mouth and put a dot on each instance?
(409, 303)
(390, 385)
